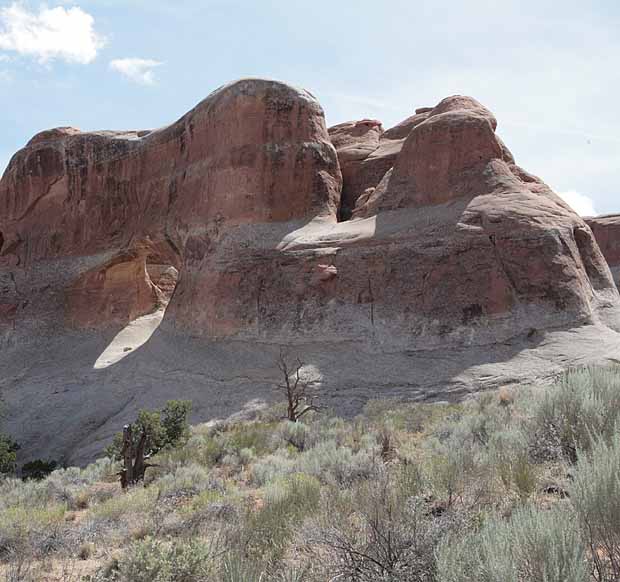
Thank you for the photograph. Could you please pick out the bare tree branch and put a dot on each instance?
(295, 388)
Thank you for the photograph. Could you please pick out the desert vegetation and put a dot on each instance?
(8, 450)
(515, 485)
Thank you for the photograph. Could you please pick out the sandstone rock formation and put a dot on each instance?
(366, 153)
(606, 231)
(480, 227)
(81, 213)
(231, 215)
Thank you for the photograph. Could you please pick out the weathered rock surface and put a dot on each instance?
(165, 278)
(365, 154)
(454, 255)
(479, 227)
(606, 231)
(74, 207)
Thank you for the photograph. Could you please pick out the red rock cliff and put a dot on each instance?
(450, 241)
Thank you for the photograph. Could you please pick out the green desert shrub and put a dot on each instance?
(237, 568)
(235, 446)
(273, 466)
(151, 560)
(412, 417)
(449, 467)
(100, 470)
(15, 492)
(204, 449)
(71, 485)
(137, 502)
(524, 476)
(210, 449)
(254, 436)
(286, 503)
(189, 479)
(165, 429)
(532, 546)
(36, 530)
(38, 469)
(375, 531)
(474, 422)
(327, 461)
(583, 405)
(292, 433)
(356, 435)
(8, 455)
(299, 493)
(410, 478)
(291, 574)
(509, 460)
(595, 495)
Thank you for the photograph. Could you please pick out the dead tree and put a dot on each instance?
(134, 457)
(298, 391)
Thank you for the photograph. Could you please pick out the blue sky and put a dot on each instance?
(548, 69)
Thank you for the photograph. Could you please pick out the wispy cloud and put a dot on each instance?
(139, 71)
(50, 33)
(580, 203)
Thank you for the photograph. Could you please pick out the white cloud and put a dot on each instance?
(50, 33)
(580, 203)
(136, 70)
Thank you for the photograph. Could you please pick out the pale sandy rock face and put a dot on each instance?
(229, 217)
